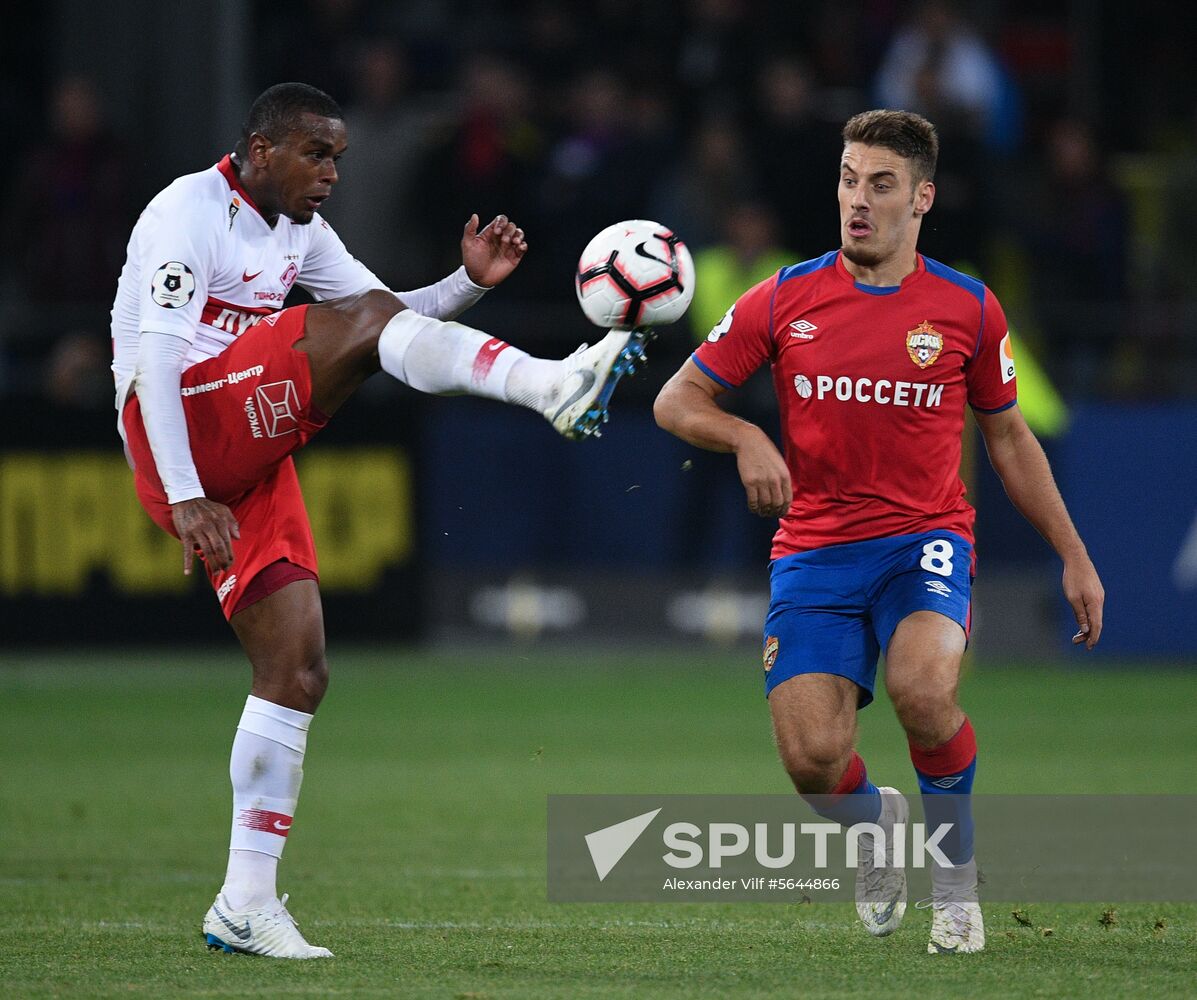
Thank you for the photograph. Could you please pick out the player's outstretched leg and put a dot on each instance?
(350, 339)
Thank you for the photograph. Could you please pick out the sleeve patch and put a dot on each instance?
(173, 285)
(722, 326)
(1006, 359)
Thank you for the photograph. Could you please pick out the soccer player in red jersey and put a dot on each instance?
(216, 388)
(875, 350)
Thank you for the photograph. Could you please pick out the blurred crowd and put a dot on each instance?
(698, 113)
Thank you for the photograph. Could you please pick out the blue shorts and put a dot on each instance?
(834, 610)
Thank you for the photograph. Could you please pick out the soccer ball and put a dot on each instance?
(635, 274)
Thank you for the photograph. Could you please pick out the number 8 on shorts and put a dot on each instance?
(937, 557)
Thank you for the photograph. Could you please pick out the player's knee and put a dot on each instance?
(813, 762)
(363, 319)
(298, 679)
(312, 679)
(370, 312)
(921, 702)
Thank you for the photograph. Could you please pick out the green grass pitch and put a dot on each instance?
(418, 852)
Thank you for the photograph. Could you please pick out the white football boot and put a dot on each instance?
(264, 930)
(881, 889)
(957, 927)
(576, 404)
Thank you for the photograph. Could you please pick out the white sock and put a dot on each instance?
(451, 359)
(530, 382)
(266, 768)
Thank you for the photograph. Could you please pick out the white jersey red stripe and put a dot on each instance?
(204, 265)
(230, 317)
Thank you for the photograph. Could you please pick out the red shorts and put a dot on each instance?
(247, 410)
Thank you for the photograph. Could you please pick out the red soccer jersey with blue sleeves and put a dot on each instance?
(872, 383)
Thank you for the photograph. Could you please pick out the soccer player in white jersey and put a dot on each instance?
(216, 388)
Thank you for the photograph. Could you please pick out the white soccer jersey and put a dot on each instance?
(203, 265)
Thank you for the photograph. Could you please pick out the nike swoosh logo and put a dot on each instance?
(496, 347)
(241, 932)
(246, 276)
(886, 915)
(644, 253)
(588, 379)
(279, 826)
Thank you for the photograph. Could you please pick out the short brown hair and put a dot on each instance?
(909, 135)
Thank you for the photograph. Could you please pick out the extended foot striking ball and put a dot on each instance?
(635, 274)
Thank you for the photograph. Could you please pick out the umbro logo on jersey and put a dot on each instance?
(246, 276)
(803, 329)
(937, 587)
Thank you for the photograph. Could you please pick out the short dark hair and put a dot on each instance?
(909, 135)
(276, 111)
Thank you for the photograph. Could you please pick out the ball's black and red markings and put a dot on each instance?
(636, 295)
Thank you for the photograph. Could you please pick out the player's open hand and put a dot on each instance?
(205, 526)
(1083, 589)
(491, 255)
(764, 474)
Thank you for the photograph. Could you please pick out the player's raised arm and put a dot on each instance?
(687, 408)
(1018, 459)
(488, 258)
(491, 254)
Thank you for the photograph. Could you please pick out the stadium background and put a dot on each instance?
(511, 615)
(1065, 180)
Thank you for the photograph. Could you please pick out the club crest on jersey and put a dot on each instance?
(772, 645)
(923, 344)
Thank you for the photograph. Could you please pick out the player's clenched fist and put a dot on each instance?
(764, 474)
(208, 527)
